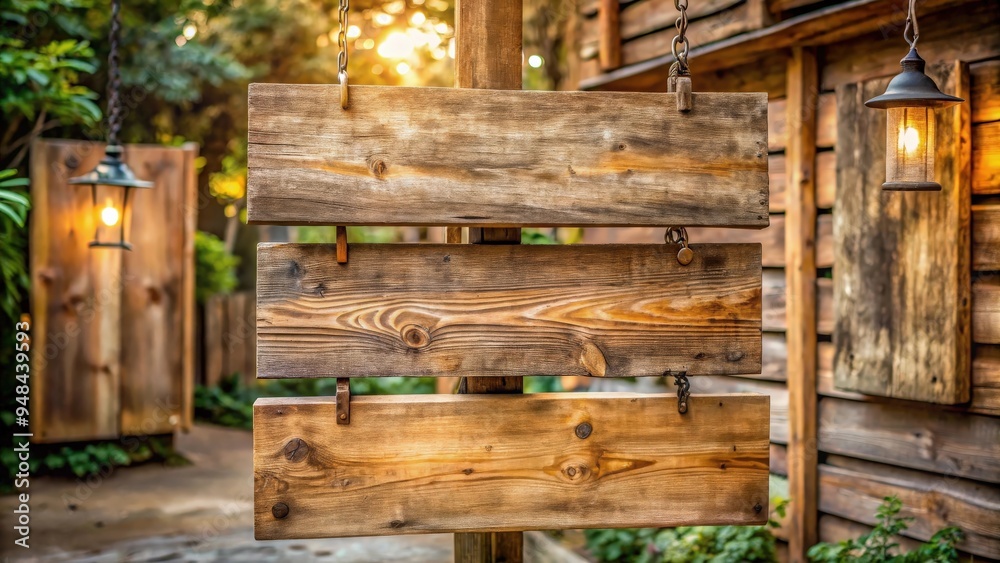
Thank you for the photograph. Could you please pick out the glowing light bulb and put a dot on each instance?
(909, 139)
(109, 215)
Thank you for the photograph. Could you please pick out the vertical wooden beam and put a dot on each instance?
(800, 276)
(488, 42)
(609, 46)
(188, 307)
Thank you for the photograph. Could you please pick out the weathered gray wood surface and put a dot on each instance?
(497, 310)
(495, 158)
(447, 463)
(902, 277)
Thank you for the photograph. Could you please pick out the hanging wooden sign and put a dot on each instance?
(450, 463)
(493, 158)
(431, 310)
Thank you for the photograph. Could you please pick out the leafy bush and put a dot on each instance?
(13, 243)
(696, 544)
(879, 546)
(215, 267)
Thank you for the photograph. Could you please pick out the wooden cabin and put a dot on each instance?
(910, 280)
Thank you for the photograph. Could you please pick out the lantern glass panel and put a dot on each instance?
(110, 205)
(909, 162)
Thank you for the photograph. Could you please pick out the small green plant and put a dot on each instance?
(879, 545)
(14, 207)
(697, 544)
(215, 267)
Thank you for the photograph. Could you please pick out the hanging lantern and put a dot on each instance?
(910, 100)
(111, 181)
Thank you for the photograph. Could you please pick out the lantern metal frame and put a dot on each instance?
(912, 88)
(111, 170)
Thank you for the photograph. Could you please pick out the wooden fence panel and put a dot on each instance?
(76, 302)
(505, 158)
(902, 276)
(854, 489)
(438, 463)
(600, 310)
(155, 348)
(950, 443)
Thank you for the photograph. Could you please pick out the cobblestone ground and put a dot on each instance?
(200, 512)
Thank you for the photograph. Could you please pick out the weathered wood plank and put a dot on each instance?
(986, 309)
(609, 34)
(438, 463)
(716, 384)
(854, 489)
(75, 302)
(986, 237)
(825, 310)
(772, 238)
(986, 158)
(153, 303)
(774, 303)
(952, 443)
(985, 98)
(436, 156)
(607, 310)
(902, 288)
(826, 122)
(214, 349)
(801, 258)
(826, 182)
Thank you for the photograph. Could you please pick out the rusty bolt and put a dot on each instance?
(583, 430)
(279, 510)
(343, 416)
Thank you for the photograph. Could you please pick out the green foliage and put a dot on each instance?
(14, 207)
(880, 546)
(214, 267)
(695, 544)
(82, 460)
(231, 402)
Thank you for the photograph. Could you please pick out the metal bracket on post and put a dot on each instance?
(343, 400)
(341, 245)
(683, 391)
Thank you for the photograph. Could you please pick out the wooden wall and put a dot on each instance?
(942, 461)
(228, 339)
(113, 330)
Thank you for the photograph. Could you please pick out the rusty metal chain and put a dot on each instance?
(342, 55)
(114, 76)
(679, 235)
(911, 33)
(683, 391)
(680, 65)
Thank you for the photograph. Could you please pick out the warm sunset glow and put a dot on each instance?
(396, 46)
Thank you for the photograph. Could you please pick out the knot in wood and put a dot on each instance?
(296, 450)
(415, 336)
(583, 430)
(575, 471)
(377, 166)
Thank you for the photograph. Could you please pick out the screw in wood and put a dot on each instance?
(583, 430)
(279, 510)
(757, 508)
(343, 416)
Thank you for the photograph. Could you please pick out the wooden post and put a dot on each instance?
(609, 47)
(488, 55)
(800, 275)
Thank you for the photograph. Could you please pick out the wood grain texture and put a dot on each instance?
(986, 237)
(986, 158)
(801, 256)
(985, 99)
(439, 463)
(986, 309)
(154, 308)
(902, 276)
(826, 122)
(951, 443)
(491, 310)
(778, 393)
(440, 156)
(854, 489)
(75, 303)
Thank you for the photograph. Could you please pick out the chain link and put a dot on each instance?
(342, 37)
(114, 76)
(680, 66)
(911, 32)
